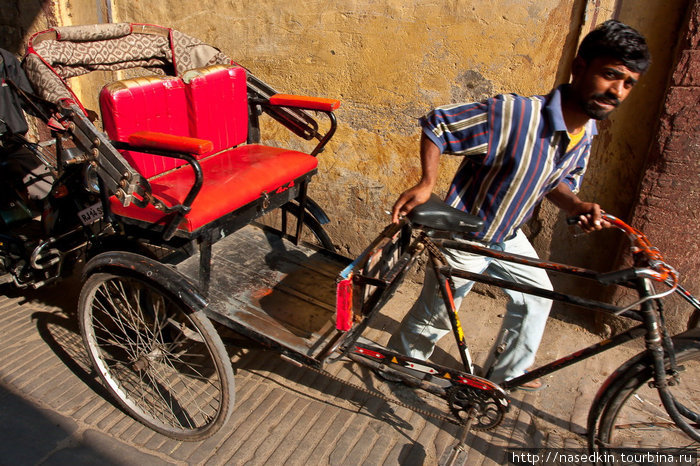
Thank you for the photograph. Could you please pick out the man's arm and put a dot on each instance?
(587, 212)
(420, 193)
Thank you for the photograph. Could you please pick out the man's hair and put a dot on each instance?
(616, 40)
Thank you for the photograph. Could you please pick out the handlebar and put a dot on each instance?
(656, 268)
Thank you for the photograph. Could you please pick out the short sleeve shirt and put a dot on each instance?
(515, 152)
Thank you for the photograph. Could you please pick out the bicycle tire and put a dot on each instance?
(630, 413)
(162, 361)
(313, 232)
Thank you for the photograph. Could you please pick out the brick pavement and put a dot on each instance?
(53, 410)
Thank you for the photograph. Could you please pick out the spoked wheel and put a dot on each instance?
(634, 416)
(164, 363)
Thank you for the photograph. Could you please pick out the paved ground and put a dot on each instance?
(53, 410)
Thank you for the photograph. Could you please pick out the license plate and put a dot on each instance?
(91, 214)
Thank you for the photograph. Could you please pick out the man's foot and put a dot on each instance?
(531, 386)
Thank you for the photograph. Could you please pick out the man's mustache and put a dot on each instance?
(607, 99)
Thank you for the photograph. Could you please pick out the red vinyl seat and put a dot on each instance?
(209, 104)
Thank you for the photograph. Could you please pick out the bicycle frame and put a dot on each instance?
(446, 273)
(657, 341)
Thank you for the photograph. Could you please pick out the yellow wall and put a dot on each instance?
(390, 61)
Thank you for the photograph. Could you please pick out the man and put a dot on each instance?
(518, 150)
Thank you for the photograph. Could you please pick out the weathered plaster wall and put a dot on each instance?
(18, 20)
(390, 61)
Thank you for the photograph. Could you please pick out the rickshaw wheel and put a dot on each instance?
(162, 361)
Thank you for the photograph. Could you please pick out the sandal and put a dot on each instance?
(531, 386)
(385, 376)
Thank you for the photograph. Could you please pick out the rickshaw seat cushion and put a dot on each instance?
(217, 98)
(233, 179)
(153, 103)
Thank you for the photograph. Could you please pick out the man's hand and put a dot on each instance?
(417, 195)
(588, 213)
(589, 216)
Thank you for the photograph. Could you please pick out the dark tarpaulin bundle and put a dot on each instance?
(12, 119)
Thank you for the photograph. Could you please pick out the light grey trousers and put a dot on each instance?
(525, 318)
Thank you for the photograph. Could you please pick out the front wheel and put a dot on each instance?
(633, 415)
(162, 361)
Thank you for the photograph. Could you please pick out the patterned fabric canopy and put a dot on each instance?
(65, 52)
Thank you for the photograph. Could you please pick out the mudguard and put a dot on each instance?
(316, 211)
(129, 263)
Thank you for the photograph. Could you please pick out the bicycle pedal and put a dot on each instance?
(454, 456)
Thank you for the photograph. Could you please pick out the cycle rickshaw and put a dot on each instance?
(160, 208)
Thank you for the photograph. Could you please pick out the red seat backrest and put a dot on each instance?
(154, 103)
(208, 103)
(218, 101)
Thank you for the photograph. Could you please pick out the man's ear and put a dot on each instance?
(578, 66)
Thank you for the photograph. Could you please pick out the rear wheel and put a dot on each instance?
(164, 363)
(634, 417)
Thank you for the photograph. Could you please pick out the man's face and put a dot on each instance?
(600, 85)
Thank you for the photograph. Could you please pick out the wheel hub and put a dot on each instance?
(141, 364)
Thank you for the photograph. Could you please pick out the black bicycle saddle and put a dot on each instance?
(437, 215)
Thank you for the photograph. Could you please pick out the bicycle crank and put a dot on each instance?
(466, 401)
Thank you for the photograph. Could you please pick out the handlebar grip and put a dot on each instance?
(618, 276)
(603, 216)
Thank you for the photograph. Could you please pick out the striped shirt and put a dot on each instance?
(515, 152)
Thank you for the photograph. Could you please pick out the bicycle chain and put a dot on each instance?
(388, 399)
